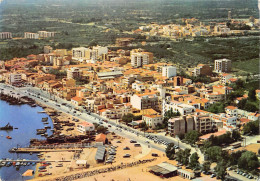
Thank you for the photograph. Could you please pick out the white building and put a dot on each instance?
(138, 86)
(29, 35)
(169, 71)
(176, 106)
(138, 59)
(100, 50)
(231, 111)
(85, 127)
(152, 120)
(5, 35)
(46, 34)
(145, 101)
(225, 77)
(73, 73)
(222, 65)
(15, 78)
(79, 53)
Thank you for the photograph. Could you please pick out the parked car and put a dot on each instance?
(126, 155)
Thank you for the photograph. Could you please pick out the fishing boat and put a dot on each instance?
(41, 131)
(47, 127)
(8, 137)
(45, 123)
(17, 167)
(2, 164)
(14, 163)
(7, 127)
(45, 119)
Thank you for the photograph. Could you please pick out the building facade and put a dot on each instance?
(222, 65)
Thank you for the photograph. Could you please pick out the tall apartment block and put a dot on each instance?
(222, 65)
(141, 58)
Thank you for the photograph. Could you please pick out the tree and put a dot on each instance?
(221, 169)
(179, 155)
(206, 166)
(194, 160)
(214, 153)
(251, 94)
(236, 135)
(234, 157)
(192, 137)
(248, 161)
(251, 128)
(186, 156)
(170, 151)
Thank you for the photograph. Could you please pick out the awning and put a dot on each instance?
(28, 173)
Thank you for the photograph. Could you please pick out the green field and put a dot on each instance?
(248, 66)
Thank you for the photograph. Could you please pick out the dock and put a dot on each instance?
(32, 150)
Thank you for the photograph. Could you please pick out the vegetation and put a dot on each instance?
(251, 128)
(86, 23)
(192, 137)
(128, 118)
(206, 166)
(194, 161)
(170, 151)
(100, 129)
(248, 161)
(59, 74)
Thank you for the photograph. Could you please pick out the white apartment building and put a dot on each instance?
(46, 34)
(152, 120)
(29, 35)
(100, 50)
(222, 65)
(176, 106)
(145, 101)
(231, 111)
(225, 77)
(138, 86)
(169, 71)
(79, 53)
(73, 73)
(14, 78)
(5, 35)
(138, 59)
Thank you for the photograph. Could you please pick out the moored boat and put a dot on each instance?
(7, 127)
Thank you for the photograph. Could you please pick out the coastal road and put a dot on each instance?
(120, 129)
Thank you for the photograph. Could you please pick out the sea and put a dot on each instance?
(27, 120)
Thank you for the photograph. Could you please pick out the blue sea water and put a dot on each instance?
(27, 120)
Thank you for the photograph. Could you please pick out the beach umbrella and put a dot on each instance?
(28, 173)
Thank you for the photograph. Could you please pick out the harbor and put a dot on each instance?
(26, 119)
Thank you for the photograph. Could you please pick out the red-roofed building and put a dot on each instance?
(231, 110)
(244, 121)
(85, 127)
(216, 134)
(101, 138)
(77, 101)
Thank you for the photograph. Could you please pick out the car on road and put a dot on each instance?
(133, 141)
